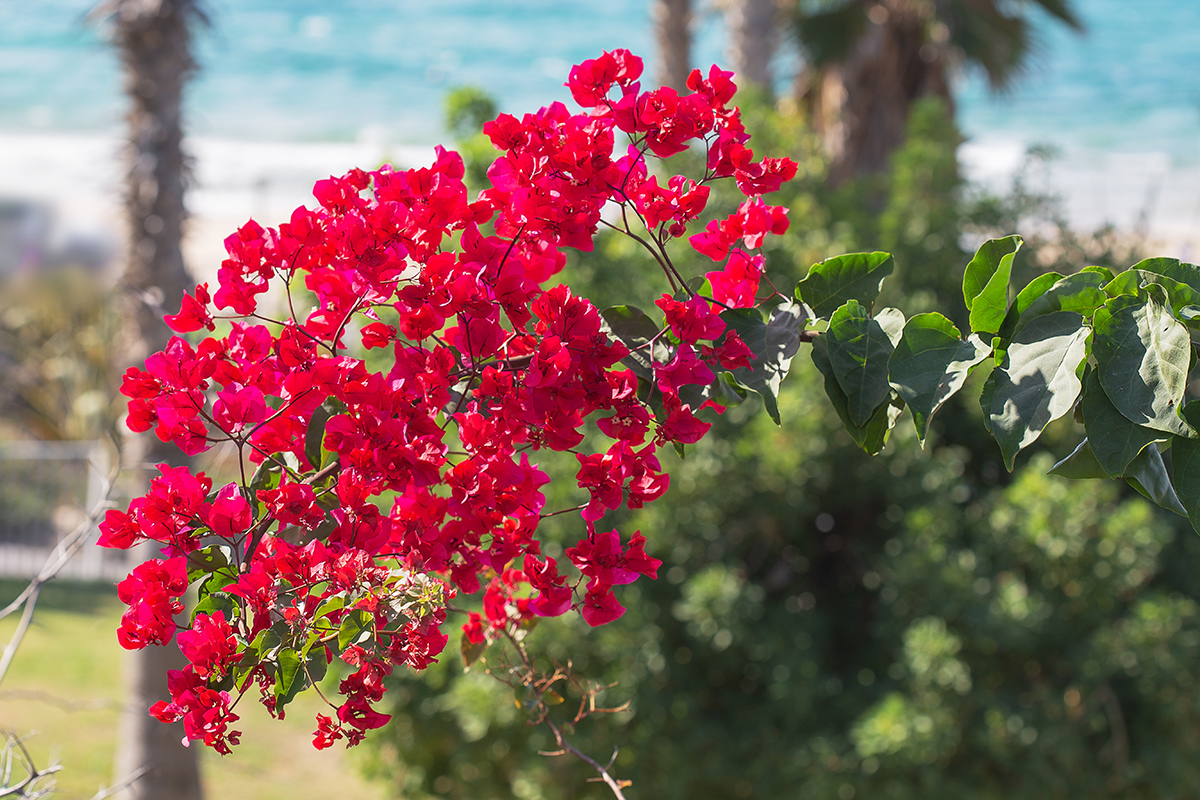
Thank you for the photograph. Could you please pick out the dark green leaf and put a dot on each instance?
(1115, 440)
(859, 350)
(872, 436)
(1148, 474)
(266, 476)
(289, 677)
(986, 395)
(1185, 467)
(773, 343)
(1080, 465)
(315, 435)
(1037, 383)
(930, 364)
(635, 330)
(1082, 292)
(985, 283)
(855, 276)
(316, 664)
(1035, 289)
(1142, 356)
(730, 390)
(357, 625)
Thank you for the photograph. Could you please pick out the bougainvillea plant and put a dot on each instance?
(367, 500)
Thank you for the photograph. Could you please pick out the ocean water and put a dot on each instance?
(378, 70)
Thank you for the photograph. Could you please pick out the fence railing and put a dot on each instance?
(56, 485)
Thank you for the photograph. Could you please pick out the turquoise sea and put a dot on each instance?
(301, 70)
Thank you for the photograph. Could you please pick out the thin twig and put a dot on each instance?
(63, 703)
(10, 649)
(125, 782)
(608, 779)
(67, 547)
(24, 788)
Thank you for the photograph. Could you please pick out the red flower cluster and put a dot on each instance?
(298, 564)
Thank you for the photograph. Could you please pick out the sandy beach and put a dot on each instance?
(74, 182)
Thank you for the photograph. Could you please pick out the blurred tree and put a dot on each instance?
(154, 40)
(869, 60)
(753, 39)
(672, 20)
(467, 109)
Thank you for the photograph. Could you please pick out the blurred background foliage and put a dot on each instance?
(827, 624)
(58, 330)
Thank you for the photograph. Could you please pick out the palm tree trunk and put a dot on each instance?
(860, 105)
(673, 35)
(753, 39)
(154, 40)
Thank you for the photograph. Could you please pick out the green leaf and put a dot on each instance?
(266, 476)
(1035, 289)
(985, 283)
(855, 276)
(315, 435)
(773, 343)
(289, 677)
(216, 582)
(208, 560)
(358, 625)
(1037, 383)
(471, 651)
(1185, 467)
(267, 640)
(1080, 465)
(730, 390)
(329, 605)
(1173, 268)
(1131, 281)
(930, 364)
(986, 395)
(891, 320)
(1148, 474)
(872, 436)
(214, 602)
(316, 664)
(635, 330)
(1115, 440)
(859, 350)
(1082, 292)
(1142, 357)
(289, 460)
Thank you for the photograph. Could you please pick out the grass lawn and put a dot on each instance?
(65, 684)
